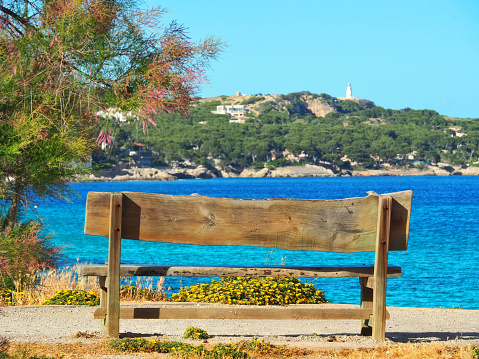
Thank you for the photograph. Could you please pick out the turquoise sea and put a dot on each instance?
(440, 267)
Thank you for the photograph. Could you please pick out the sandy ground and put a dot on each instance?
(65, 324)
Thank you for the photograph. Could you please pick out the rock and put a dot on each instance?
(225, 174)
(256, 174)
(201, 172)
(471, 171)
(438, 171)
(308, 170)
(319, 108)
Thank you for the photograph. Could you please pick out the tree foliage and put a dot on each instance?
(368, 135)
(64, 60)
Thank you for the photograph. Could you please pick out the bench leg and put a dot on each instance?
(114, 255)
(103, 296)
(366, 302)
(381, 269)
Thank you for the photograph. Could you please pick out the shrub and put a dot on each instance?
(252, 291)
(73, 297)
(25, 251)
(420, 166)
(184, 350)
(195, 333)
(218, 351)
(143, 345)
(7, 296)
(82, 297)
(229, 350)
(258, 165)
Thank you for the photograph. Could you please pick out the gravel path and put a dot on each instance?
(62, 324)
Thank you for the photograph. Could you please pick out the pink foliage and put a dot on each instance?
(27, 254)
(104, 137)
(158, 70)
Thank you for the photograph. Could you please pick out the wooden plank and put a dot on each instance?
(114, 254)
(400, 218)
(103, 298)
(240, 313)
(380, 269)
(366, 303)
(345, 225)
(245, 271)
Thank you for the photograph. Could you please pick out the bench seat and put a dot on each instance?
(234, 271)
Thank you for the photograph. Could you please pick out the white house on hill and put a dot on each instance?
(233, 110)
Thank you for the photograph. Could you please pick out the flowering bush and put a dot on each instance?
(253, 291)
(143, 345)
(195, 333)
(73, 297)
(7, 296)
(184, 350)
(25, 251)
(241, 350)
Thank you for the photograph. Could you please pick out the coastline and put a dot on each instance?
(123, 173)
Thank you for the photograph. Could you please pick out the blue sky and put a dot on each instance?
(420, 54)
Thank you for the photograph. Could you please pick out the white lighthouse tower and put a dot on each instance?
(349, 91)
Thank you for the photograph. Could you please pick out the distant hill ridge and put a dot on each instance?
(300, 102)
(297, 129)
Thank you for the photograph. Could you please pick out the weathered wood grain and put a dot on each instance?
(103, 298)
(380, 269)
(226, 312)
(401, 203)
(366, 301)
(114, 255)
(346, 225)
(246, 271)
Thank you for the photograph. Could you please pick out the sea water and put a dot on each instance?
(440, 267)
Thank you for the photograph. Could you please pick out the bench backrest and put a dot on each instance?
(345, 225)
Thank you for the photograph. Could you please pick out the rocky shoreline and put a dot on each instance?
(202, 172)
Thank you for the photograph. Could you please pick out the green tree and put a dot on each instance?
(64, 60)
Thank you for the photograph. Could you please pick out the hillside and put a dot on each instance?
(273, 131)
(303, 103)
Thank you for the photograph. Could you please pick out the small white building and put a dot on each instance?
(233, 110)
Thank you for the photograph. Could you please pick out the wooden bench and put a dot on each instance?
(376, 223)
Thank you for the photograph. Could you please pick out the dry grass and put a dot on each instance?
(100, 348)
(53, 280)
(94, 349)
(406, 351)
(66, 278)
